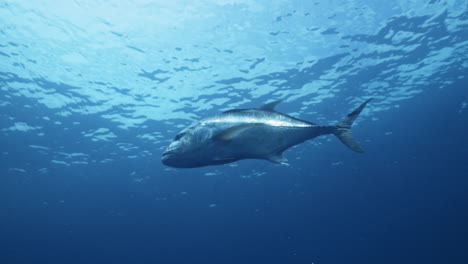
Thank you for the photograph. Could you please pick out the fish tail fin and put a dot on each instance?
(343, 129)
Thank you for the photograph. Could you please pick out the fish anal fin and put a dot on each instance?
(220, 161)
(232, 132)
(279, 159)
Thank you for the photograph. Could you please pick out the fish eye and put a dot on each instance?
(179, 136)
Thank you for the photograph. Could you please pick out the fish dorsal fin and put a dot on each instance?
(232, 132)
(270, 106)
(278, 158)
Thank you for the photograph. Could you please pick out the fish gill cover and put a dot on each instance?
(91, 92)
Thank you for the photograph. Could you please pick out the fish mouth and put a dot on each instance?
(167, 154)
(168, 158)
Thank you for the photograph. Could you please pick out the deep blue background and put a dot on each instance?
(92, 91)
(403, 201)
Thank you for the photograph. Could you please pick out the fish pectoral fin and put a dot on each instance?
(232, 132)
(224, 160)
(279, 159)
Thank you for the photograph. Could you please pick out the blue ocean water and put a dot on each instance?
(91, 93)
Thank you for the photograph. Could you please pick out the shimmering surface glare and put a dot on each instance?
(92, 92)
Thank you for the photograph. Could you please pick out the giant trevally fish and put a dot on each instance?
(258, 133)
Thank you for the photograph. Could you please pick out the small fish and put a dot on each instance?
(258, 133)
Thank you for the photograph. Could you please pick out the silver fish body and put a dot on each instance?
(240, 134)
